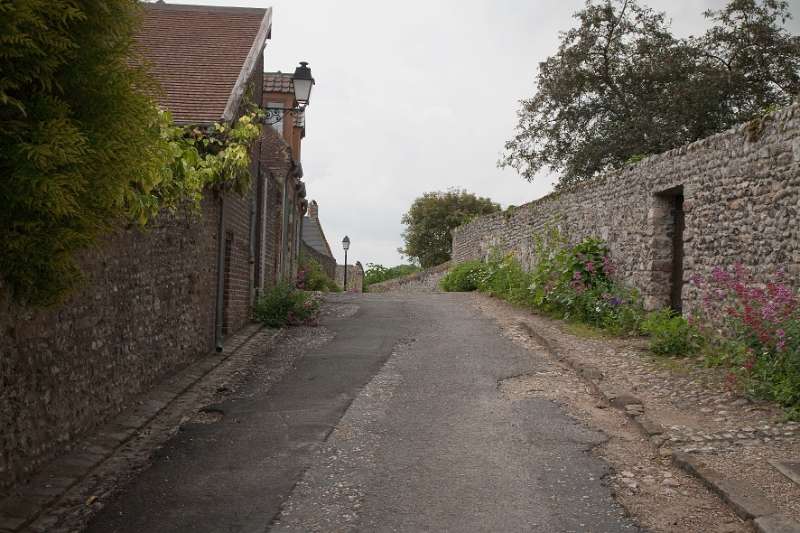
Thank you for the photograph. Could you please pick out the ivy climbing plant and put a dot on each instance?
(198, 159)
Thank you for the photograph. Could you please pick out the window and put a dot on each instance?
(278, 126)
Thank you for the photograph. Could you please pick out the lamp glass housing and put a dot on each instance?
(346, 243)
(303, 81)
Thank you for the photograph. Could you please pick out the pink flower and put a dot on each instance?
(589, 266)
(608, 266)
(719, 275)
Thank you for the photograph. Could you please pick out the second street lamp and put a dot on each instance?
(345, 246)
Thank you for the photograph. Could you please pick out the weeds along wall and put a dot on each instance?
(733, 197)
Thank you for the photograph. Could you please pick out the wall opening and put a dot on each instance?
(668, 253)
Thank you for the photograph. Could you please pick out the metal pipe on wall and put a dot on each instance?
(218, 337)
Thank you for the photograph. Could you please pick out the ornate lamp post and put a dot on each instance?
(302, 82)
(345, 246)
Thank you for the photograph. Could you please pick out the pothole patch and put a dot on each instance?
(207, 415)
(534, 385)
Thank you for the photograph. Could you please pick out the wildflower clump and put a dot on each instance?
(754, 328)
(573, 282)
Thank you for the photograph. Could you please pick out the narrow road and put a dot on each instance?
(396, 424)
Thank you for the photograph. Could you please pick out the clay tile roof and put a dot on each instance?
(278, 82)
(202, 56)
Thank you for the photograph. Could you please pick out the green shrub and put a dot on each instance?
(284, 305)
(377, 273)
(311, 277)
(83, 148)
(463, 277)
(671, 334)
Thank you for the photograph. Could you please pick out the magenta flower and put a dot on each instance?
(719, 275)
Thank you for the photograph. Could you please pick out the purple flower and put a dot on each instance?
(615, 301)
(769, 311)
(589, 266)
(781, 344)
(719, 275)
(608, 266)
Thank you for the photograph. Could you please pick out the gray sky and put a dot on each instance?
(418, 96)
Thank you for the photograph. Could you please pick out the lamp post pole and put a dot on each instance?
(346, 246)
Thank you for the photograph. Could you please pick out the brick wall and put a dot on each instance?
(741, 197)
(276, 162)
(238, 266)
(146, 308)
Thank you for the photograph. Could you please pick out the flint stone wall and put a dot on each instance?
(741, 193)
(146, 308)
(355, 277)
(327, 262)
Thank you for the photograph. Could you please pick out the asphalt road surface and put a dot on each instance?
(396, 424)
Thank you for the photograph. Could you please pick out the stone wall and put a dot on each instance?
(146, 308)
(741, 196)
(423, 281)
(327, 262)
(355, 277)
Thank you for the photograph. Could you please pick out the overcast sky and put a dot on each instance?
(418, 96)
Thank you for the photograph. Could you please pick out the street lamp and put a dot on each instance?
(302, 82)
(346, 246)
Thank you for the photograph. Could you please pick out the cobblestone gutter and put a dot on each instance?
(730, 443)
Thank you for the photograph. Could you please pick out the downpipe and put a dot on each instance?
(219, 340)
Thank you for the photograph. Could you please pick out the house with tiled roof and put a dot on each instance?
(207, 60)
(203, 57)
(283, 142)
(156, 301)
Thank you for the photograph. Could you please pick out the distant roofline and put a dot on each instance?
(321, 232)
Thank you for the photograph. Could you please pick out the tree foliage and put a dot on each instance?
(83, 147)
(622, 86)
(432, 217)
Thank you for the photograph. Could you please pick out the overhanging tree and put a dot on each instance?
(432, 217)
(79, 136)
(621, 86)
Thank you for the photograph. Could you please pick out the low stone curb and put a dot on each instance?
(53, 480)
(747, 502)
